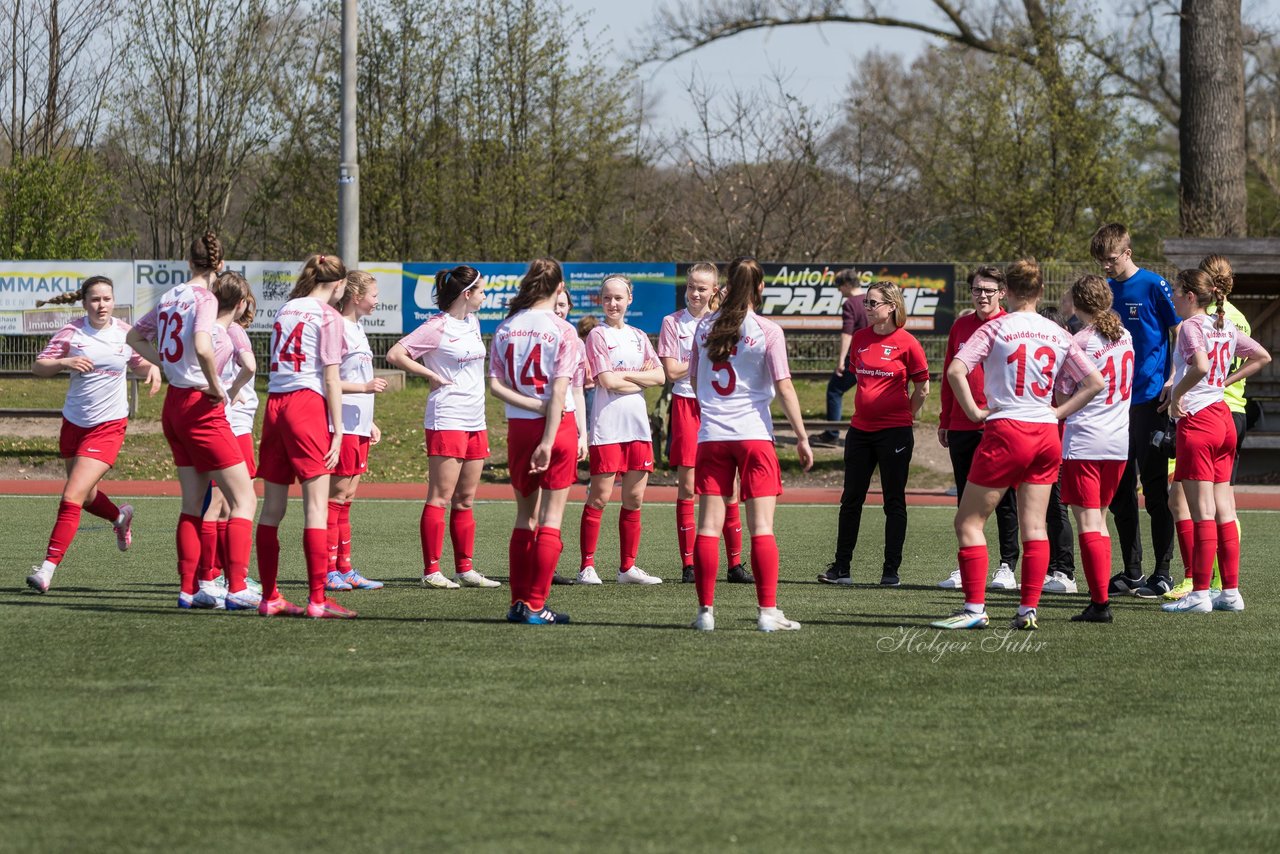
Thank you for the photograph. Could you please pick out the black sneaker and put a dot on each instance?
(522, 613)
(687, 576)
(835, 575)
(888, 580)
(738, 574)
(825, 439)
(560, 579)
(1156, 586)
(1123, 584)
(1093, 613)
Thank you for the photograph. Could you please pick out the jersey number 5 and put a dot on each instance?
(732, 382)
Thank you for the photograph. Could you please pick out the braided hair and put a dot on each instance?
(79, 294)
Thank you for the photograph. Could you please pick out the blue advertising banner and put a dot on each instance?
(654, 291)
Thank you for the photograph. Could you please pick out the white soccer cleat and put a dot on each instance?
(705, 621)
(246, 600)
(40, 577)
(1004, 579)
(438, 581)
(636, 575)
(587, 575)
(210, 597)
(1228, 600)
(773, 620)
(471, 578)
(1059, 582)
(1195, 602)
(124, 527)
(952, 581)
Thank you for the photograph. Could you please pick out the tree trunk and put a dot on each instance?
(1211, 126)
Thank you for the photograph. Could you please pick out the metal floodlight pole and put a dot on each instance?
(348, 167)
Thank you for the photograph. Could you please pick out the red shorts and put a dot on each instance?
(197, 429)
(353, 459)
(245, 441)
(686, 418)
(99, 442)
(295, 437)
(459, 444)
(621, 457)
(523, 436)
(1205, 445)
(1015, 452)
(719, 462)
(1091, 483)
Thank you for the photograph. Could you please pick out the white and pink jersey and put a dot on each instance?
(1022, 355)
(234, 341)
(1200, 334)
(1100, 430)
(530, 350)
(735, 395)
(356, 367)
(581, 378)
(305, 339)
(172, 325)
(618, 417)
(97, 396)
(454, 350)
(675, 341)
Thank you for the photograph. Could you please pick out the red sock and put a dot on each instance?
(344, 538)
(1229, 554)
(224, 556)
(462, 533)
(315, 546)
(589, 534)
(208, 551)
(331, 537)
(686, 530)
(732, 534)
(629, 536)
(518, 564)
(764, 566)
(1035, 566)
(546, 554)
(1203, 553)
(973, 573)
(188, 542)
(1186, 542)
(1095, 554)
(268, 547)
(706, 562)
(103, 507)
(64, 531)
(431, 527)
(239, 541)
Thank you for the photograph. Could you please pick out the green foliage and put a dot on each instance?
(53, 207)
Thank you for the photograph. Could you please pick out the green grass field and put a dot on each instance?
(431, 724)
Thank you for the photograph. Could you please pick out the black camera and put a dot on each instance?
(1164, 441)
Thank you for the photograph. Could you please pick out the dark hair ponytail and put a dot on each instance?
(77, 295)
(1092, 294)
(451, 283)
(229, 288)
(206, 253)
(318, 270)
(540, 281)
(745, 278)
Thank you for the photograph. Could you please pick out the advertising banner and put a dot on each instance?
(24, 282)
(653, 291)
(804, 296)
(51, 318)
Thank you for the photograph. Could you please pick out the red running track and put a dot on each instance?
(1247, 497)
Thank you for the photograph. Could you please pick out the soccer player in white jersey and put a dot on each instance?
(194, 417)
(1095, 440)
(1022, 354)
(448, 352)
(359, 431)
(94, 416)
(623, 364)
(738, 364)
(1206, 435)
(233, 356)
(532, 360)
(302, 431)
(675, 346)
